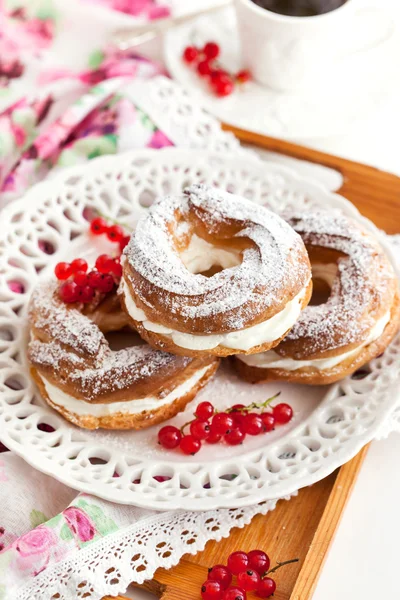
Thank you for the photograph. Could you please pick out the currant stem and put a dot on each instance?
(255, 405)
(281, 564)
(114, 221)
(182, 429)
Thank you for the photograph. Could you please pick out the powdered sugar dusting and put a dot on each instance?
(364, 278)
(78, 354)
(274, 261)
(60, 322)
(53, 355)
(121, 369)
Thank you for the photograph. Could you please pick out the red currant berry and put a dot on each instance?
(219, 75)
(239, 419)
(200, 429)
(238, 562)
(268, 420)
(169, 437)
(69, 292)
(235, 436)
(211, 50)
(190, 54)
(124, 242)
(79, 290)
(189, 445)
(106, 283)
(253, 424)
(115, 233)
(204, 411)
(248, 580)
(234, 593)
(98, 226)
(94, 278)
(204, 68)
(237, 408)
(222, 423)
(243, 76)
(117, 269)
(266, 587)
(62, 270)
(104, 263)
(258, 561)
(79, 264)
(222, 574)
(213, 438)
(282, 413)
(80, 278)
(211, 590)
(223, 87)
(86, 293)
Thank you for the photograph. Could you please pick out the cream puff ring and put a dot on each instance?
(354, 324)
(209, 272)
(91, 385)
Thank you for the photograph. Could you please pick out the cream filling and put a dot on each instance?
(130, 407)
(272, 360)
(268, 331)
(200, 256)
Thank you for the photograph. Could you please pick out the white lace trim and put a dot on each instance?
(134, 554)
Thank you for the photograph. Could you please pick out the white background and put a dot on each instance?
(363, 561)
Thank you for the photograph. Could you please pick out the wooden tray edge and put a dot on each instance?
(328, 525)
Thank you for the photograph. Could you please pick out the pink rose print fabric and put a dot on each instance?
(138, 8)
(33, 551)
(45, 96)
(98, 123)
(77, 526)
(25, 28)
(80, 524)
(79, 112)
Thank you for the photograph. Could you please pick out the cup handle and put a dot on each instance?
(386, 29)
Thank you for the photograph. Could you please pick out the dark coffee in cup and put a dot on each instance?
(300, 8)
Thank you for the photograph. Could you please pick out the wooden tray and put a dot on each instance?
(304, 527)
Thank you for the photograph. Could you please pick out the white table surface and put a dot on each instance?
(367, 539)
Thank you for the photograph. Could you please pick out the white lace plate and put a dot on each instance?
(331, 423)
(323, 111)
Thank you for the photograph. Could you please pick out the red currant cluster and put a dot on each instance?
(251, 570)
(79, 285)
(204, 60)
(231, 426)
(114, 233)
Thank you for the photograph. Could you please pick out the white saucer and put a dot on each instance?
(350, 92)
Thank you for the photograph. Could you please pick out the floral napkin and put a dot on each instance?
(58, 114)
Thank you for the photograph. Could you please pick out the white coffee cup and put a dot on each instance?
(289, 53)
